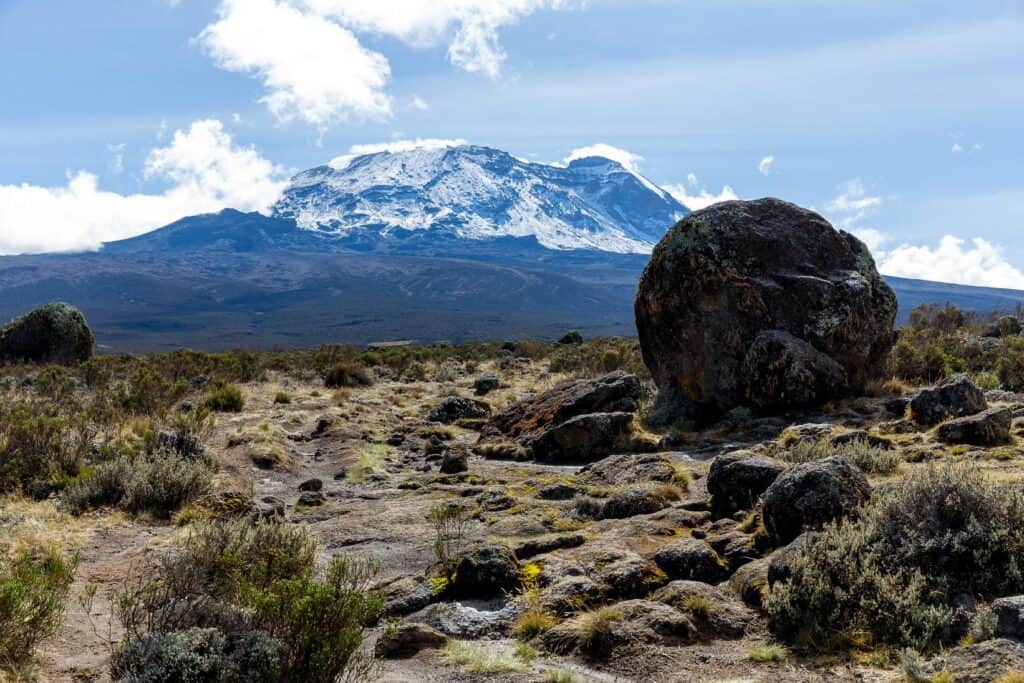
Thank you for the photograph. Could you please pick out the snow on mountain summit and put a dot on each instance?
(453, 189)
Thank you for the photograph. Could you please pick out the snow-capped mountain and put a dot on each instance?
(480, 193)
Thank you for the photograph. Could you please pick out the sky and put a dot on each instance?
(902, 122)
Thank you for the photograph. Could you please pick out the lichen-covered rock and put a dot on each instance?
(485, 384)
(715, 613)
(736, 480)
(629, 468)
(811, 494)
(784, 371)
(580, 420)
(981, 663)
(724, 275)
(988, 428)
(54, 333)
(454, 408)
(407, 640)
(954, 396)
(454, 460)
(691, 559)
(490, 569)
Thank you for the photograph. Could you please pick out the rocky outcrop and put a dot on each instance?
(691, 559)
(736, 480)
(486, 571)
(952, 397)
(407, 640)
(485, 384)
(455, 408)
(760, 303)
(811, 494)
(577, 421)
(54, 333)
(981, 663)
(988, 428)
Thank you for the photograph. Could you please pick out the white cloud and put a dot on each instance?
(957, 148)
(853, 199)
(418, 103)
(206, 172)
(982, 264)
(340, 162)
(702, 199)
(874, 239)
(691, 179)
(764, 167)
(312, 68)
(628, 160)
(315, 69)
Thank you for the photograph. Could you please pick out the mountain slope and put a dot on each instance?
(478, 193)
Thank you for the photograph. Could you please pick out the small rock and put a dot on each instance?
(487, 570)
(269, 507)
(952, 397)
(313, 484)
(573, 338)
(485, 384)
(810, 494)
(988, 428)
(454, 460)
(1010, 615)
(691, 559)
(546, 544)
(310, 499)
(407, 640)
(455, 408)
(396, 440)
(736, 480)
(557, 491)
(726, 617)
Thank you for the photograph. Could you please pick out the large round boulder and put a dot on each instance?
(811, 494)
(760, 303)
(54, 333)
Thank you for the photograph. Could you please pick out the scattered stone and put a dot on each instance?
(396, 440)
(313, 485)
(981, 663)
(724, 275)
(487, 570)
(560, 490)
(584, 438)
(340, 474)
(269, 507)
(897, 407)
(546, 544)
(485, 384)
(808, 495)
(988, 428)
(310, 499)
(570, 594)
(715, 613)
(454, 460)
(811, 431)
(736, 480)
(323, 423)
(473, 621)
(954, 396)
(407, 641)
(1010, 616)
(691, 559)
(455, 408)
(494, 501)
(897, 427)
(263, 461)
(629, 468)
(54, 333)
(530, 420)
(405, 595)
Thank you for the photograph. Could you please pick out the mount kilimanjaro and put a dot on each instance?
(437, 243)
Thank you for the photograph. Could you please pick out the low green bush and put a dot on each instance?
(860, 453)
(226, 399)
(894, 571)
(198, 655)
(33, 592)
(255, 583)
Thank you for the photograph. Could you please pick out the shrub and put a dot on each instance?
(146, 391)
(767, 653)
(281, 398)
(259, 582)
(449, 521)
(157, 484)
(226, 399)
(893, 572)
(594, 629)
(1010, 365)
(860, 453)
(33, 590)
(202, 655)
(347, 375)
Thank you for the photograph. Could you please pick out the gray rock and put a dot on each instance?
(736, 480)
(730, 272)
(629, 468)
(952, 397)
(313, 485)
(1010, 616)
(988, 428)
(584, 438)
(546, 544)
(811, 494)
(407, 641)
(470, 620)
(487, 570)
(454, 460)
(54, 333)
(455, 408)
(981, 663)
(782, 370)
(691, 559)
(485, 384)
(726, 618)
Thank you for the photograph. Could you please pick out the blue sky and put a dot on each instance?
(901, 121)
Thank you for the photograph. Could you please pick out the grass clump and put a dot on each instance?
(594, 629)
(33, 591)
(246, 602)
(282, 398)
(226, 399)
(450, 522)
(347, 374)
(766, 654)
(893, 572)
(860, 453)
(481, 658)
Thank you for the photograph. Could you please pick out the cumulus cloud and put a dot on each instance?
(205, 169)
(702, 199)
(628, 160)
(340, 162)
(981, 264)
(764, 167)
(117, 163)
(418, 103)
(313, 69)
